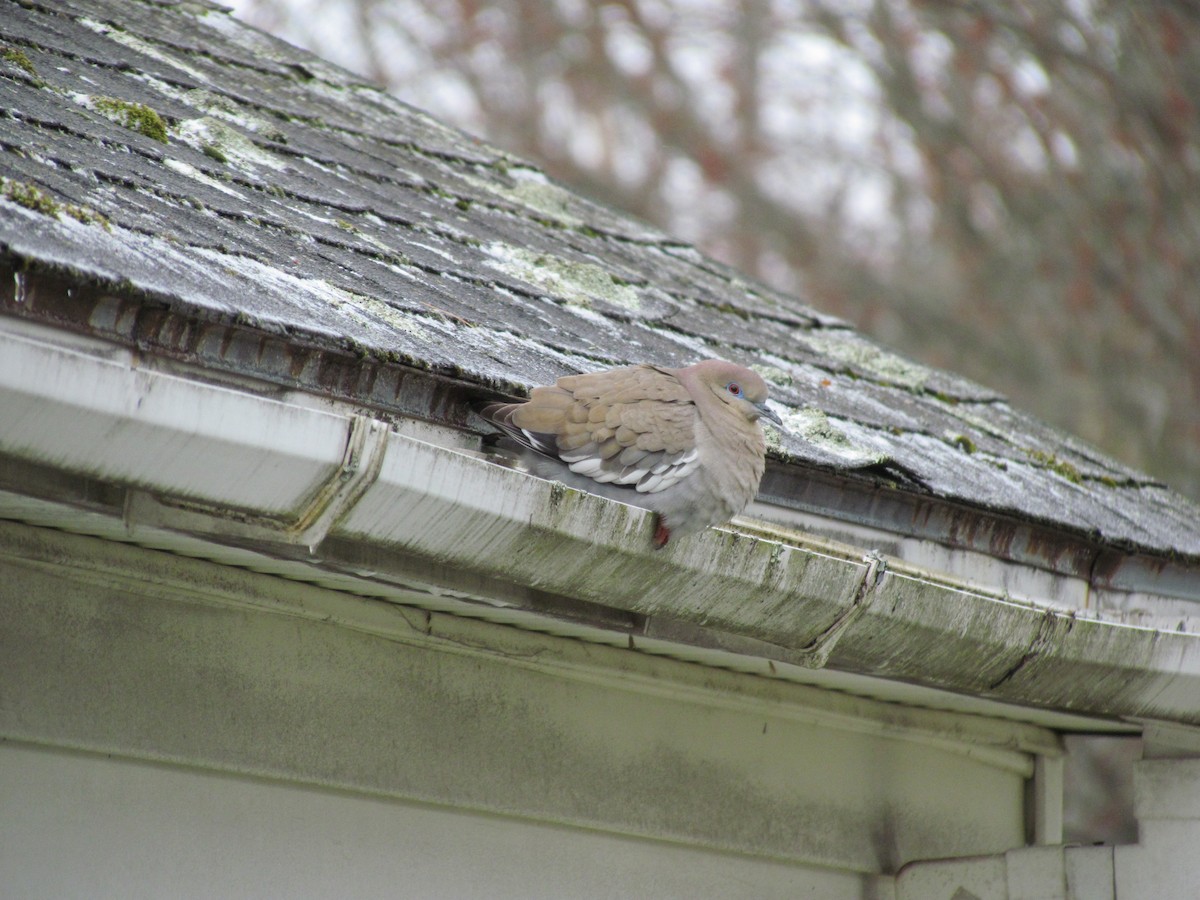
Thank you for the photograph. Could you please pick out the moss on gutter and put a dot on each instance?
(136, 116)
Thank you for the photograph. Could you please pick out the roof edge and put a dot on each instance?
(348, 495)
(246, 354)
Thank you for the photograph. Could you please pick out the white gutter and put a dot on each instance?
(230, 468)
(90, 410)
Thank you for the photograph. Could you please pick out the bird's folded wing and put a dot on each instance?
(633, 426)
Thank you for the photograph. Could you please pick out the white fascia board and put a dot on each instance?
(323, 491)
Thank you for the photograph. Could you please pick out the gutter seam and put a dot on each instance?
(366, 444)
(1043, 641)
(331, 500)
(816, 654)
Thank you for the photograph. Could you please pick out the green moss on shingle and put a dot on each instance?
(964, 443)
(21, 59)
(87, 215)
(1052, 462)
(212, 151)
(730, 309)
(34, 198)
(137, 116)
(30, 197)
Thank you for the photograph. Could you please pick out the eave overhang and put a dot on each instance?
(100, 441)
(860, 507)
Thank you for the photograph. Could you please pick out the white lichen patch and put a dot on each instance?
(546, 198)
(850, 348)
(436, 251)
(369, 307)
(262, 45)
(218, 140)
(539, 354)
(315, 291)
(590, 315)
(216, 106)
(236, 32)
(190, 171)
(133, 42)
(389, 251)
(686, 252)
(773, 375)
(576, 283)
(386, 251)
(334, 91)
(535, 191)
(818, 429)
(772, 437)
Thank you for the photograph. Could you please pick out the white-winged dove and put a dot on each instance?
(685, 443)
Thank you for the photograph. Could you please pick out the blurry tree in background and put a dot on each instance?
(1008, 189)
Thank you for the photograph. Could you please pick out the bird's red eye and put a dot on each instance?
(734, 388)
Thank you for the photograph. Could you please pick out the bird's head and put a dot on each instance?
(740, 388)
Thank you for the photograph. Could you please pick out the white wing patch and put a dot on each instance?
(542, 443)
(649, 473)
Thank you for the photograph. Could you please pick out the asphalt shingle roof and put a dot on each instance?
(293, 208)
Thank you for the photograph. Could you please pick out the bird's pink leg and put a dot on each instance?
(662, 534)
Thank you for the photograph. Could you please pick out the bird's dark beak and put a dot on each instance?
(765, 412)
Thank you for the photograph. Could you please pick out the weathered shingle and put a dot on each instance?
(291, 200)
